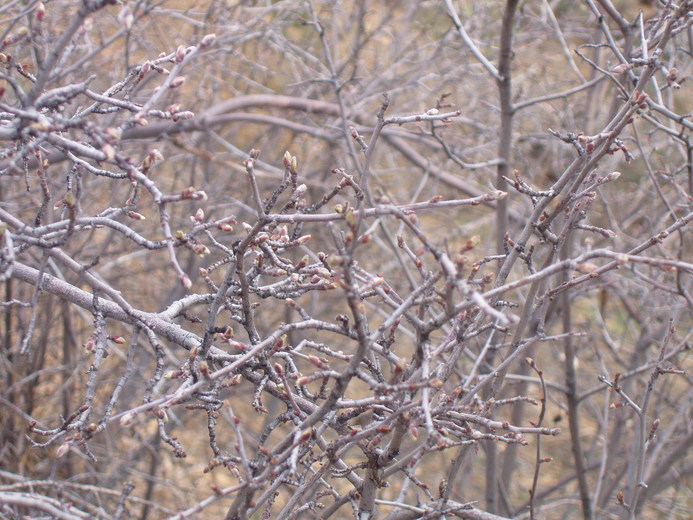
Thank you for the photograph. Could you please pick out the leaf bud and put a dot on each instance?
(136, 216)
(177, 82)
(351, 218)
(70, 200)
(126, 17)
(207, 40)
(180, 53)
(172, 374)
(108, 151)
(113, 133)
(127, 419)
(40, 11)
(316, 361)
(62, 450)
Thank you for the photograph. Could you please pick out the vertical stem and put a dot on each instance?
(572, 393)
(503, 80)
(491, 478)
(507, 112)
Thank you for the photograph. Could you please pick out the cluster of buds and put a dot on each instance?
(192, 193)
(619, 146)
(672, 77)
(249, 163)
(198, 217)
(290, 162)
(639, 99)
(199, 249)
(150, 159)
(89, 345)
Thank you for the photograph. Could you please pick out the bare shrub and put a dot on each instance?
(464, 291)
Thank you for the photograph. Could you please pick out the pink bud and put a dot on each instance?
(180, 53)
(136, 216)
(207, 40)
(127, 419)
(620, 68)
(40, 11)
(126, 17)
(177, 82)
(316, 361)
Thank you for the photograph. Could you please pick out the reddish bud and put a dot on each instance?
(40, 11)
(136, 216)
(316, 361)
(207, 40)
(180, 53)
(177, 82)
